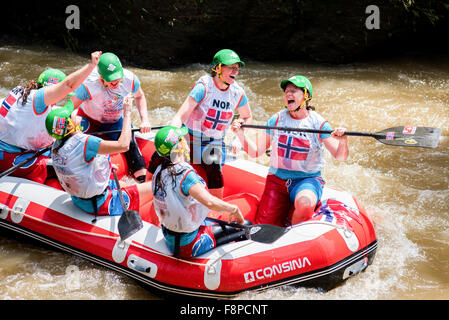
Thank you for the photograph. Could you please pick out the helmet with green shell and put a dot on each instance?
(50, 76)
(57, 121)
(167, 138)
(110, 67)
(300, 82)
(226, 57)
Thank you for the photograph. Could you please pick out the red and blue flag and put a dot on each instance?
(7, 104)
(293, 148)
(216, 119)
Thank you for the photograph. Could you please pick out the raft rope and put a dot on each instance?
(131, 243)
(95, 234)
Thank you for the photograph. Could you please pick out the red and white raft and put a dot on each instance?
(339, 242)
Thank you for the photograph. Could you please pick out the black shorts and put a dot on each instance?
(210, 155)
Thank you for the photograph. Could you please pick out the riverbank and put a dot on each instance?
(163, 34)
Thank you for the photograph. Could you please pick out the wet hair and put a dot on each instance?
(310, 107)
(165, 163)
(26, 89)
(58, 144)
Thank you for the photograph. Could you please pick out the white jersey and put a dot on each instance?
(78, 177)
(214, 113)
(176, 211)
(297, 151)
(22, 125)
(104, 104)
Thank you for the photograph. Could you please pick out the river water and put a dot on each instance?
(406, 190)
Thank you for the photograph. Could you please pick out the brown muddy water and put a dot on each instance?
(406, 190)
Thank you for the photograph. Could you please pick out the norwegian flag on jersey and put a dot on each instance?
(293, 148)
(335, 212)
(216, 119)
(7, 104)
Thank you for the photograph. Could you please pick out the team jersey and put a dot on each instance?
(213, 114)
(15, 119)
(297, 154)
(176, 209)
(83, 172)
(102, 103)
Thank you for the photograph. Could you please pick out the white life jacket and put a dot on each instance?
(105, 104)
(21, 125)
(80, 178)
(214, 113)
(176, 211)
(297, 151)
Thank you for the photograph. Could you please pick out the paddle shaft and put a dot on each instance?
(231, 224)
(402, 136)
(348, 133)
(17, 166)
(264, 233)
(130, 221)
(119, 131)
(122, 200)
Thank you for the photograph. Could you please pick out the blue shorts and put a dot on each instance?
(314, 184)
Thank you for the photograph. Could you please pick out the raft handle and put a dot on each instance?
(139, 268)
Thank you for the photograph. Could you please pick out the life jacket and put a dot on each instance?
(80, 178)
(104, 104)
(297, 151)
(214, 113)
(21, 125)
(176, 211)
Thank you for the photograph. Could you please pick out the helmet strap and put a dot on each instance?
(74, 128)
(219, 72)
(303, 103)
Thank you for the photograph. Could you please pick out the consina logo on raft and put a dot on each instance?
(276, 269)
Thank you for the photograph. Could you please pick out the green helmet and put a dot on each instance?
(167, 138)
(109, 67)
(300, 82)
(227, 57)
(57, 121)
(50, 76)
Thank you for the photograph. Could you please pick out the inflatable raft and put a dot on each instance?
(337, 243)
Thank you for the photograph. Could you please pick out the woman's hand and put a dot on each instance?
(95, 57)
(145, 127)
(127, 104)
(338, 144)
(339, 134)
(236, 215)
(237, 125)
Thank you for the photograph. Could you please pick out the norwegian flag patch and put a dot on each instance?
(293, 148)
(216, 119)
(390, 135)
(7, 104)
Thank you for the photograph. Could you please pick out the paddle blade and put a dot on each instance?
(264, 233)
(129, 223)
(408, 136)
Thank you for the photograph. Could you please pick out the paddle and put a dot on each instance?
(130, 222)
(17, 166)
(119, 131)
(264, 233)
(405, 136)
